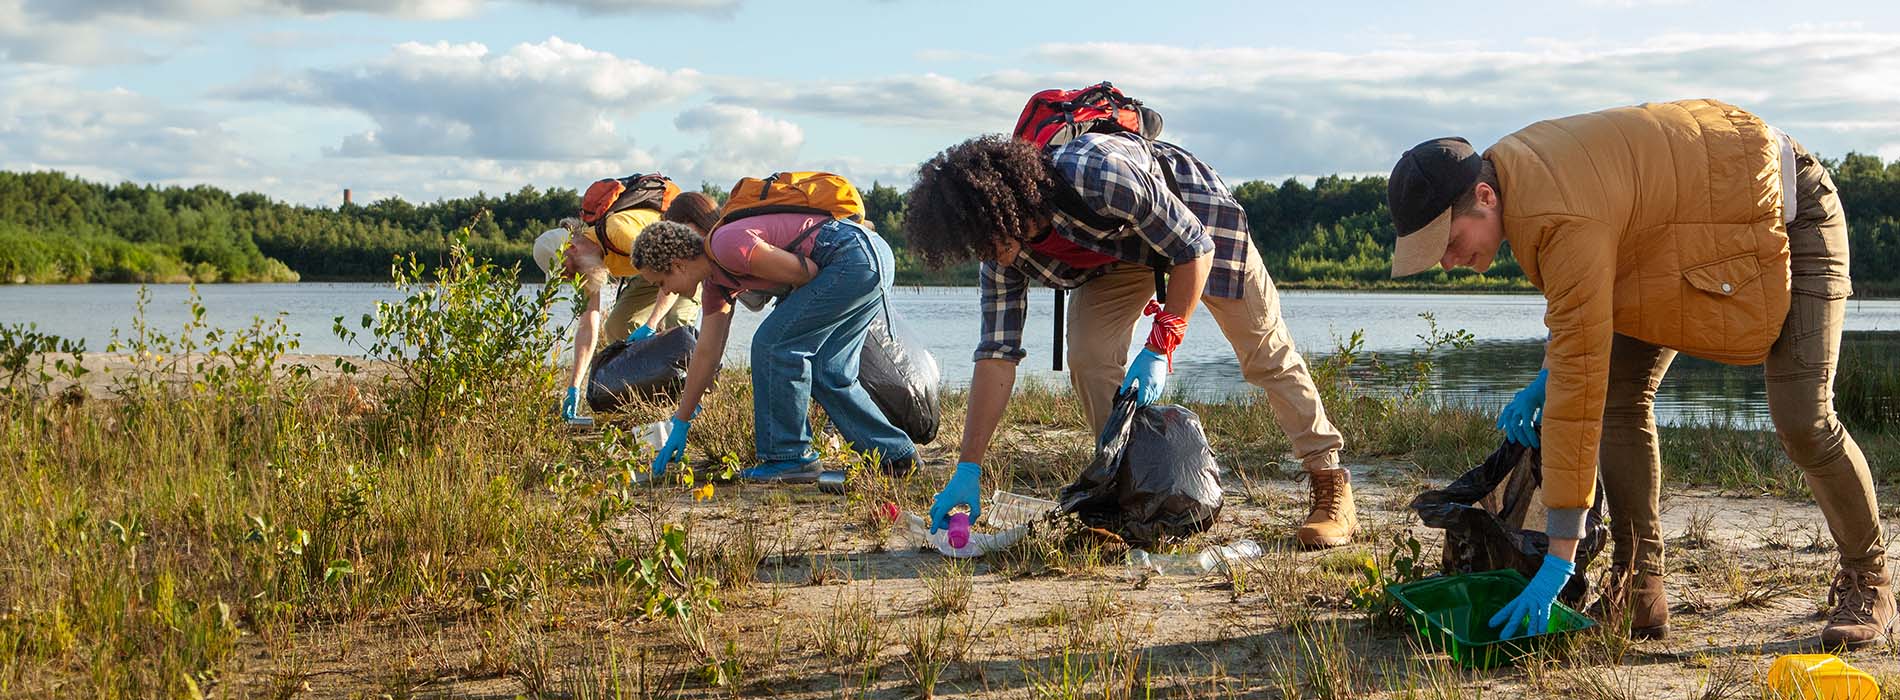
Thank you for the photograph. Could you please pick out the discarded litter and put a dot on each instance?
(1009, 515)
(1206, 561)
(1820, 677)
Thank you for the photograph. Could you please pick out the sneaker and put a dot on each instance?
(900, 467)
(1860, 609)
(1333, 517)
(795, 471)
(1635, 600)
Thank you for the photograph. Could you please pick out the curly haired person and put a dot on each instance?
(1098, 214)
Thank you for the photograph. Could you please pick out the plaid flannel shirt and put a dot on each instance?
(1118, 177)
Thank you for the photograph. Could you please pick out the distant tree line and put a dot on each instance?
(1335, 232)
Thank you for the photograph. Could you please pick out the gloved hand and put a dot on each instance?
(1149, 374)
(963, 489)
(1532, 607)
(641, 333)
(571, 408)
(1520, 417)
(675, 447)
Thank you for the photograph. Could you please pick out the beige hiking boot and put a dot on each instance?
(1331, 521)
(1633, 600)
(1860, 609)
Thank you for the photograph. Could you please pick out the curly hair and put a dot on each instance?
(663, 243)
(975, 195)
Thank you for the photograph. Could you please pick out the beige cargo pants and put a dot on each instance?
(1102, 318)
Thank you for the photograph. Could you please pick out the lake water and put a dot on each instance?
(1508, 329)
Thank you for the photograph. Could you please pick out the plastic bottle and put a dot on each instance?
(959, 526)
(1206, 561)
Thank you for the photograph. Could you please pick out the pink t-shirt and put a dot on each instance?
(731, 247)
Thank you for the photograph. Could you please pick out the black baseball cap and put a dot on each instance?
(1426, 182)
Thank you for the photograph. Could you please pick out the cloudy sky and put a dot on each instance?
(440, 98)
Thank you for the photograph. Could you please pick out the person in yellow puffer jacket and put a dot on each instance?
(1690, 227)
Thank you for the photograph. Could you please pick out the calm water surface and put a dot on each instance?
(1508, 330)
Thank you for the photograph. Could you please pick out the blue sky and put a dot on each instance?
(439, 98)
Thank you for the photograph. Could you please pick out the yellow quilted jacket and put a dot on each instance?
(1661, 222)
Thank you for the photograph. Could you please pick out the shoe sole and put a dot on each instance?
(794, 478)
(1316, 542)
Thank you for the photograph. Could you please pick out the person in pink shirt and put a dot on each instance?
(830, 277)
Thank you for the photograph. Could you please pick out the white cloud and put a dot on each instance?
(552, 100)
(740, 141)
(99, 32)
(1264, 112)
(111, 134)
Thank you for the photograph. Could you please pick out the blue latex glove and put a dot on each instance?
(1520, 417)
(641, 333)
(1532, 607)
(571, 408)
(963, 490)
(675, 447)
(1148, 374)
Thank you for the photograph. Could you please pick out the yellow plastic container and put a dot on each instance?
(1820, 677)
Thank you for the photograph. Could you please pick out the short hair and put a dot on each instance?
(975, 195)
(1488, 175)
(662, 244)
(695, 208)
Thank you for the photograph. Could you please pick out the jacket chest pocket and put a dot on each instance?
(1724, 278)
(1723, 309)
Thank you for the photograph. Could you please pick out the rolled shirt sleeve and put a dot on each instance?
(1003, 301)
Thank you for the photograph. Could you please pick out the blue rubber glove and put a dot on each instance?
(641, 333)
(571, 408)
(1532, 607)
(963, 490)
(1148, 374)
(1520, 417)
(675, 447)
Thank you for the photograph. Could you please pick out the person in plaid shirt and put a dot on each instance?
(1098, 214)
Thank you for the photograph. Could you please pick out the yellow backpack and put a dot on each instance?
(793, 192)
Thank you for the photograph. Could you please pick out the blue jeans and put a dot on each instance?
(808, 347)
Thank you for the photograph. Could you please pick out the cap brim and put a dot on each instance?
(1423, 249)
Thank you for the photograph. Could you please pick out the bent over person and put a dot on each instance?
(1146, 202)
(1686, 227)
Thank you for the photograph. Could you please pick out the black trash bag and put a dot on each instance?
(648, 369)
(1493, 518)
(1153, 477)
(902, 378)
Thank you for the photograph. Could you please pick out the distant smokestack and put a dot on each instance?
(346, 196)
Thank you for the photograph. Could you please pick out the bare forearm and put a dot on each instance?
(1564, 548)
(704, 367)
(1185, 282)
(990, 387)
(662, 305)
(586, 328)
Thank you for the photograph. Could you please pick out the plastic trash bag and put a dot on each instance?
(1153, 477)
(647, 369)
(902, 378)
(1493, 517)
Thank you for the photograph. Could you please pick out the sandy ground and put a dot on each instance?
(1182, 636)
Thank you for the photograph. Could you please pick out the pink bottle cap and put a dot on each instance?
(959, 529)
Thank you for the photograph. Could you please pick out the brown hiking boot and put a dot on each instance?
(1860, 609)
(1633, 600)
(1331, 521)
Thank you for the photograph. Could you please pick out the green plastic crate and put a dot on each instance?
(1453, 613)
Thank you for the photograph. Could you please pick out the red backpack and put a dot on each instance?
(1054, 117)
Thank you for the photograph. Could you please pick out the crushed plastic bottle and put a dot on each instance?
(1008, 514)
(1206, 561)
